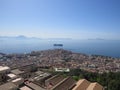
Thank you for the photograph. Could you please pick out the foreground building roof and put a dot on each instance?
(83, 84)
(4, 68)
(8, 86)
(17, 71)
(95, 86)
(66, 84)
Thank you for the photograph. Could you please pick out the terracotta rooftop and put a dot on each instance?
(83, 84)
(95, 86)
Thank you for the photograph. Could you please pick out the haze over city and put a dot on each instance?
(78, 19)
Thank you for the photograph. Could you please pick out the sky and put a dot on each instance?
(77, 19)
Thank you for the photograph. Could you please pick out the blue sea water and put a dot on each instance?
(97, 47)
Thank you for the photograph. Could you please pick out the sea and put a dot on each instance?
(91, 47)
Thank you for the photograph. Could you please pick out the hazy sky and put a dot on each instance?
(60, 18)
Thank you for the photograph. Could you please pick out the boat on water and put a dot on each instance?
(58, 45)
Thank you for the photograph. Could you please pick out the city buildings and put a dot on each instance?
(39, 80)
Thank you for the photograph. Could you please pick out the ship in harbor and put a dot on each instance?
(60, 45)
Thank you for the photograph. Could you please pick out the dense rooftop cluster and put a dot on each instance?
(62, 59)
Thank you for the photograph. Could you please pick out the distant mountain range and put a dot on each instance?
(24, 37)
(21, 36)
(97, 39)
(17, 37)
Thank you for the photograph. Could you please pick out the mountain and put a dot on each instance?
(17, 37)
(21, 37)
(96, 39)
(24, 37)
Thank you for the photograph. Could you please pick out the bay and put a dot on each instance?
(97, 47)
